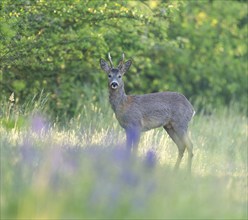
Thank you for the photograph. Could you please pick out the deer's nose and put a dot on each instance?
(114, 85)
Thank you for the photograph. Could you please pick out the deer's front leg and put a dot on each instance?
(133, 137)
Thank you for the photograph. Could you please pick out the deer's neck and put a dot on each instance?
(117, 97)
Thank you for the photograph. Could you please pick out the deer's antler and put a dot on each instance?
(122, 60)
(110, 60)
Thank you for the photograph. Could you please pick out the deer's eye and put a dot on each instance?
(119, 76)
(109, 76)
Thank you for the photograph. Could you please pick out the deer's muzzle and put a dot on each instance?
(114, 85)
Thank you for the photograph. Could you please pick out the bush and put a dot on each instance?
(197, 48)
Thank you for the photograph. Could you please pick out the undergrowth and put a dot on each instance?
(79, 168)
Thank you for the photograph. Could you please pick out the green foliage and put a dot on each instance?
(57, 45)
(212, 57)
(194, 47)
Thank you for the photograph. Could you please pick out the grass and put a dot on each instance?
(80, 169)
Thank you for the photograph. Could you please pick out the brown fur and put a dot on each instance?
(137, 113)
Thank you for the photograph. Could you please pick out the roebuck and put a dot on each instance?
(137, 113)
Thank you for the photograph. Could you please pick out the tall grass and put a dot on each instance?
(80, 169)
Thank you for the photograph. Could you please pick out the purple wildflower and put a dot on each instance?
(38, 124)
(150, 159)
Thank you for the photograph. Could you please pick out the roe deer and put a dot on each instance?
(137, 113)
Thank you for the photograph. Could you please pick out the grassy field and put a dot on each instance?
(80, 169)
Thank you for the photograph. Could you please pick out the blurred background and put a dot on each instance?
(198, 48)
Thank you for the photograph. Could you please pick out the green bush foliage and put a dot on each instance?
(211, 64)
(194, 47)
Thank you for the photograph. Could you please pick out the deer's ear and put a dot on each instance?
(124, 67)
(104, 65)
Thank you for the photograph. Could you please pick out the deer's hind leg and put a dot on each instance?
(180, 136)
(189, 146)
(180, 145)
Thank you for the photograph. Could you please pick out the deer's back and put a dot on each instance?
(155, 110)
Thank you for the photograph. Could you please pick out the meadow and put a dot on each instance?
(79, 169)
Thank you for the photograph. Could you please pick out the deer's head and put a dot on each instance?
(115, 74)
